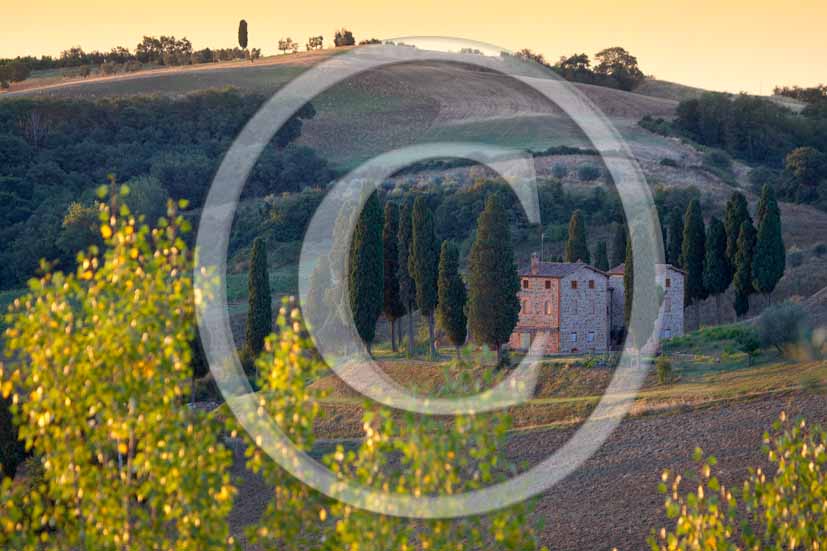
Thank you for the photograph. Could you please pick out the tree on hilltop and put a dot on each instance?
(242, 34)
(343, 37)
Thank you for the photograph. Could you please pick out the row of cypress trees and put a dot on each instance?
(398, 266)
(714, 255)
(729, 252)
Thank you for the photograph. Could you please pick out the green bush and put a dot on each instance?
(749, 343)
(588, 173)
(715, 158)
(663, 368)
(782, 325)
(559, 171)
(820, 249)
(786, 505)
(795, 257)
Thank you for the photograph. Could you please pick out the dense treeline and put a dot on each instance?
(749, 128)
(163, 50)
(813, 94)
(54, 152)
(613, 67)
(789, 149)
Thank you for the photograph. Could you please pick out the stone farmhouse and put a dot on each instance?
(574, 307)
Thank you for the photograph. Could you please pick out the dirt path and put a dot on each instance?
(612, 500)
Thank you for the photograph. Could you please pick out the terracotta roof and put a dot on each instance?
(620, 269)
(556, 269)
(617, 270)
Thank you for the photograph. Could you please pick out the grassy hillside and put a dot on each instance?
(428, 102)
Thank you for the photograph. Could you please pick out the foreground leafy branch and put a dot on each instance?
(104, 361)
(784, 510)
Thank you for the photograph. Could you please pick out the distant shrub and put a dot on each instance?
(656, 125)
(721, 332)
(588, 173)
(761, 176)
(749, 343)
(132, 66)
(782, 325)
(795, 257)
(663, 367)
(715, 158)
(560, 171)
(820, 249)
(666, 161)
(109, 68)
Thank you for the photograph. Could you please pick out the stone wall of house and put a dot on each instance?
(670, 317)
(617, 306)
(671, 310)
(539, 315)
(584, 312)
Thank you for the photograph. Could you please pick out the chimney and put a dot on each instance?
(535, 264)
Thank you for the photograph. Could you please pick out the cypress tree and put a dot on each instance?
(407, 286)
(423, 263)
(452, 297)
(198, 362)
(12, 449)
(717, 273)
(366, 270)
(618, 246)
(601, 256)
(577, 248)
(392, 305)
(742, 279)
(674, 238)
(493, 305)
(770, 259)
(736, 213)
(242, 34)
(693, 255)
(259, 312)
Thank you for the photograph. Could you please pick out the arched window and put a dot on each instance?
(548, 308)
(525, 307)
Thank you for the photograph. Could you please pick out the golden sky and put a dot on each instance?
(732, 45)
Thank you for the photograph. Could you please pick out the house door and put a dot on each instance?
(525, 341)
